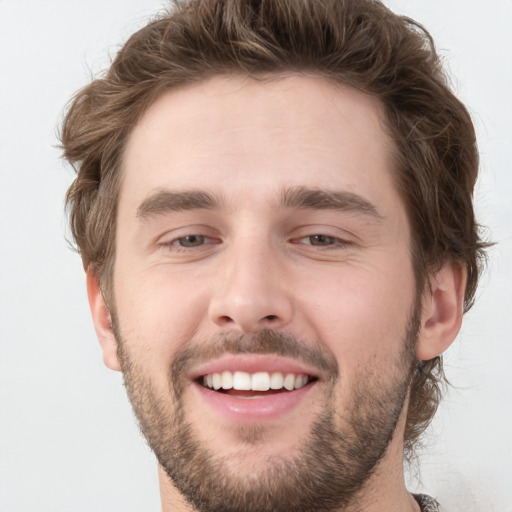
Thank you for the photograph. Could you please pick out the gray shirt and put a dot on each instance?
(427, 503)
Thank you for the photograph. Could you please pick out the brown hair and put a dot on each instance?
(357, 42)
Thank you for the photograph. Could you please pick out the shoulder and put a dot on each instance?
(427, 503)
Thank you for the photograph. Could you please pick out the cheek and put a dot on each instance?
(361, 313)
(158, 313)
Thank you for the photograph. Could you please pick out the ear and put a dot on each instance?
(102, 321)
(443, 306)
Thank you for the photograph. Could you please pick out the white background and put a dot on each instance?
(67, 438)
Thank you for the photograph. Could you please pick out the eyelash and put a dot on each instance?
(334, 242)
(331, 242)
(176, 245)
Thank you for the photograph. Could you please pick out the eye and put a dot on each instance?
(190, 241)
(189, 247)
(321, 240)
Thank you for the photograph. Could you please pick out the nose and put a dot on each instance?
(253, 292)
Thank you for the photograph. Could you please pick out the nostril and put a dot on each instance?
(271, 317)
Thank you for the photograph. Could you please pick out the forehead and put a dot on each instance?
(231, 133)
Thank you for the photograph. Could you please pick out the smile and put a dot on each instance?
(254, 388)
(259, 381)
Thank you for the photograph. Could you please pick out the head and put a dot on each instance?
(253, 52)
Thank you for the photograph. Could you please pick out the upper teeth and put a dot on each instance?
(260, 381)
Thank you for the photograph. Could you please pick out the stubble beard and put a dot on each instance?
(336, 459)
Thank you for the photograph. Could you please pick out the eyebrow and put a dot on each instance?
(166, 201)
(320, 199)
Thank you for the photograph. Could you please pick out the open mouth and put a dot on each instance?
(259, 384)
(254, 388)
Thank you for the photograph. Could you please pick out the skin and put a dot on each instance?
(260, 266)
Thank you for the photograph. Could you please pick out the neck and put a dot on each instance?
(385, 490)
(172, 500)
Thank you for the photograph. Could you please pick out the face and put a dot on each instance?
(264, 292)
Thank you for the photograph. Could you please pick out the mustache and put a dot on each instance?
(265, 342)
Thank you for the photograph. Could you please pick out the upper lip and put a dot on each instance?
(252, 363)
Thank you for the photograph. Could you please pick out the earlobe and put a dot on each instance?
(102, 321)
(443, 306)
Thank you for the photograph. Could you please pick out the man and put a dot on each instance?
(274, 210)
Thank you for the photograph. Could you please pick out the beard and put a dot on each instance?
(336, 459)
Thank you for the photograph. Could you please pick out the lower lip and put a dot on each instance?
(262, 408)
